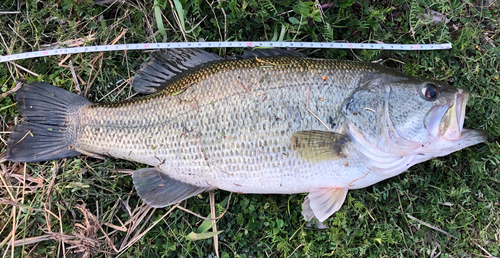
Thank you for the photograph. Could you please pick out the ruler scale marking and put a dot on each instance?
(144, 46)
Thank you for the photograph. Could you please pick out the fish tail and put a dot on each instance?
(46, 132)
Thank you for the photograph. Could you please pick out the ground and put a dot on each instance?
(446, 207)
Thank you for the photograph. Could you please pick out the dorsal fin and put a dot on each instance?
(163, 65)
(266, 52)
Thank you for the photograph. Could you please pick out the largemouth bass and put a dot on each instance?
(271, 121)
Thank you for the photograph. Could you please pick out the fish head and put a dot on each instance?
(422, 112)
(397, 121)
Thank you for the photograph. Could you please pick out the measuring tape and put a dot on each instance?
(143, 46)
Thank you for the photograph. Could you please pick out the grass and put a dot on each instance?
(88, 206)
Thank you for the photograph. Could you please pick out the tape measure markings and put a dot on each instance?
(145, 46)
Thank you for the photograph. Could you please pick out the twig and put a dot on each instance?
(135, 221)
(64, 60)
(205, 218)
(90, 154)
(18, 86)
(352, 50)
(320, 9)
(15, 32)
(13, 203)
(76, 42)
(26, 135)
(14, 227)
(122, 228)
(430, 226)
(243, 86)
(295, 250)
(484, 250)
(145, 221)
(110, 243)
(307, 108)
(125, 82)
(177, 20)
(214, 227)
(51, 184)
(6, 46)
(131, 96)
(5, 183)
(135, 239)
(215, 16)
(100, 63)
(32, 240)
(225, 28)
(24, 69)
(62, 232)
(51, 213)
(66, 238)
(5, 241)
(77, 85)
(285, 12)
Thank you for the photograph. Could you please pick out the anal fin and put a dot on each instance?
(323, 202)
(159, 190)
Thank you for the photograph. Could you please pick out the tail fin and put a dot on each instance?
(45, 134)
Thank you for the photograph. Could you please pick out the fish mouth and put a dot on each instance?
(447, 121)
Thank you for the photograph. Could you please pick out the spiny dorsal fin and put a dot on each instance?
(163, 65)
(315, 146)
(267, 52)
(159, 190)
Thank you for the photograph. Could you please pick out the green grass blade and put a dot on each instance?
(200, 236)
(282, 33)
(159, 20)
(180, 13)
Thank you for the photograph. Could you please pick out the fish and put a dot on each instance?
(270, 121)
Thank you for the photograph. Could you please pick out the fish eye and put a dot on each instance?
(430, 91)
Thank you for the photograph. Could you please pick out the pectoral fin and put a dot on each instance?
(322, 203)
(317, 146)
(159, 190)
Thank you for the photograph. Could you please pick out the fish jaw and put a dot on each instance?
(468, 137)
(453, 120)
(386, 165)
(449, 134)
(446, 121)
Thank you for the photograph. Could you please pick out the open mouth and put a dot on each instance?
(453, 120)
(448, 120)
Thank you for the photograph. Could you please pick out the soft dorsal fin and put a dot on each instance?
(159, 190)
(268, 52)
(162, 65)
(315, 146)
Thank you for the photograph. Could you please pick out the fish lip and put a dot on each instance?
(453, 120)
(446, 121)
